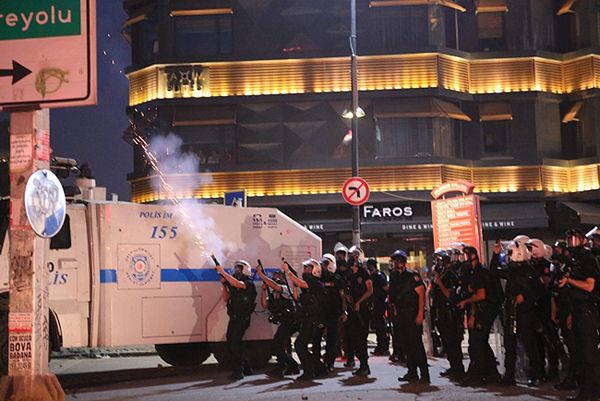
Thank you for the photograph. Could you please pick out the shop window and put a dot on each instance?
(203, 35)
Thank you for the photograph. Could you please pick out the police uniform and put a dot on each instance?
(483, 360)
(522, 321)
(240, 305)
(549, 343)
(282, 309)
(310, 318)
(449, 320)
(406, 302)
(378, 321)
(332, 310)
(586, 322)
(359, 321)
(564, 312)
(398, 348)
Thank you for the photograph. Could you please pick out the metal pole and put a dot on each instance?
(354, 70)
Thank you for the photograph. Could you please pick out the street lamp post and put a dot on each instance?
(354, 106)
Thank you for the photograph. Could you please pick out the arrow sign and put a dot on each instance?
(18, 72)
(356, 191)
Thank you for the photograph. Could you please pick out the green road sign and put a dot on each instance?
(25, 19)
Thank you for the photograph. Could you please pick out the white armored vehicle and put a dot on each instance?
(127, 274)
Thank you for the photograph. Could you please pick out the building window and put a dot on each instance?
(203, 35)
(495, 137)
(404, 137)
(490, 28)
(399, 28)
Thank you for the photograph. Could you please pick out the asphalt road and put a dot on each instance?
(148, 378)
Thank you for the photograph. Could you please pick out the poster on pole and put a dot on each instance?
(457, 219)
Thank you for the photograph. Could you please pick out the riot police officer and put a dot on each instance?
(240, 295)
(378, 319)
(277, 298)
(334, 303)
(407, 292)
(523, 289)
(548, 341)
(360, 290)
(309, 314)
(483, 299)
(445, 315)
(582, 282)
(561, 314)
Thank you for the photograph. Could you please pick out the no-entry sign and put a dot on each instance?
(47, 53)
(356, 191)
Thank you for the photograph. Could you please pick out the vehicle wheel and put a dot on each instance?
(258, 353)
(191, 354)
(3, 343)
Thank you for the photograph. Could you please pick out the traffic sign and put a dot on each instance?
(356, 191)
(235, 198)
(47, 53)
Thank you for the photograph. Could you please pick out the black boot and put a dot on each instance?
(410, 376)
(362, 371)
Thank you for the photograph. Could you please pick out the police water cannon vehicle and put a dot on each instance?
(121, 274)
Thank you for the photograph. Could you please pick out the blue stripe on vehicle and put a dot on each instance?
(108, 276)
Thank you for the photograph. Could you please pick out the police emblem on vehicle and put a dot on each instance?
(139, 266)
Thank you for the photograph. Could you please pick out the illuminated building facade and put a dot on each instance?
(501, 93)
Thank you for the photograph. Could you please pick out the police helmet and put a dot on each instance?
(521, 239)
(575, 238)
(371, 262)
(357, 252)
(537, 248)
(470, 251)
(330, 260)
(314, 265)
(400, 255)
(547, 252)
(441, 255)
(518, 252)
(339, 247)
(246, 270)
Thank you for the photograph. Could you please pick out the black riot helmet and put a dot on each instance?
(575, 238)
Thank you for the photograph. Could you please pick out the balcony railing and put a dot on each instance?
(376, 73)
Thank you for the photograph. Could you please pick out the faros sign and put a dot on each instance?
(372, 212)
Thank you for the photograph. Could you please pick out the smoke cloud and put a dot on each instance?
(170, 160)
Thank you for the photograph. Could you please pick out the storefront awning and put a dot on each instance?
(420, 107)
(572, 113)
(566, 7)
(505, 216)
(588, 213)
(495, 111)
(393, 3)
(184, 8)
(490, 6)
(204, 115)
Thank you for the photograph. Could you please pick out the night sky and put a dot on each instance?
(94, 134)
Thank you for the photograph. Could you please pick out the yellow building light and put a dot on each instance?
(389, 72)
